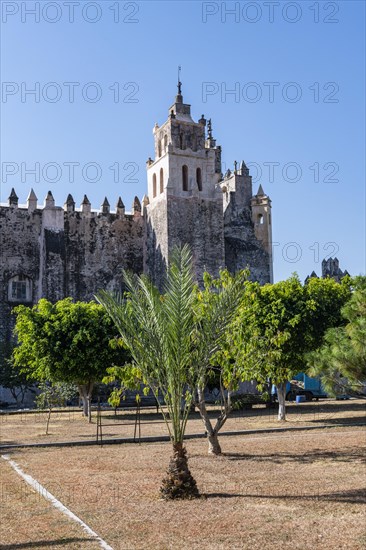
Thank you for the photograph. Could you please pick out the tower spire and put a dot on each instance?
(179, 85)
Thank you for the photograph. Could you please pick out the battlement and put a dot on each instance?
(69, 207)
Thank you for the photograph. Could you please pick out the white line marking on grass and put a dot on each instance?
(56, 503)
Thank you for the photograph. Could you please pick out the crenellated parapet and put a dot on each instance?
(66, 251)
(69, 205)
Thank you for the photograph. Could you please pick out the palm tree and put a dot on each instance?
(163, 335)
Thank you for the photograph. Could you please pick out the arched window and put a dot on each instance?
(181, 141)
(159, 148)
(199, 179)
(161, 180)
(165, 142)
(185, 177)
(260, 219)
(154, 186)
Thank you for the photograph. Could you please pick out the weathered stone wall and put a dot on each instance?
(98, 248)
(19, 255)
(198, 222)
(242, 248)
(62, 254)
(156, 240)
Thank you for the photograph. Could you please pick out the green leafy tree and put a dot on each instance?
(66, 342)
(278, 325)
(165, 336)
(341, 360)
(325, 298)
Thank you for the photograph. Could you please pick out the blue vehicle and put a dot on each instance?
(301, 384)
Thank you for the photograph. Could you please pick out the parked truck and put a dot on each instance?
(301, 384)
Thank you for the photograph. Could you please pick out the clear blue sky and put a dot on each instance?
(317, 142)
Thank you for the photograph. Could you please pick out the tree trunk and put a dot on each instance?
(179, 482)
(281, 395)
(214, 447)
(48, 420)
(85, 391)
(213, 444)
(89, 407)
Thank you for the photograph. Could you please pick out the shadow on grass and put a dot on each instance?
(355, 496)
(346, 455)
(44, 543)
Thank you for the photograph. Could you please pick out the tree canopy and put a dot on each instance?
(277, 325)
(341, 360)
(66, 342)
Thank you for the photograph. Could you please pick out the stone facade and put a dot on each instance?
(55, 252)
(190, 201)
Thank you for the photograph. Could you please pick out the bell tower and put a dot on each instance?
(184, 203)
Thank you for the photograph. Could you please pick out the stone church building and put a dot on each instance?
(53, 252)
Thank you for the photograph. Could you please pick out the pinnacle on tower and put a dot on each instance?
(13, 198)
(32, 196)
(69, 200)
(120, 208)
(105, 207)
(260, 193)
(49, 201)
(85, 205)
(244, 169)
(136, 206)
(120, 203)
(69, 205)
(32, 201)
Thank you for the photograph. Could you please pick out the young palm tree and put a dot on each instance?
(163, 335)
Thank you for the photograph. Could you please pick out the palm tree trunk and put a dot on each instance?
(179, 482)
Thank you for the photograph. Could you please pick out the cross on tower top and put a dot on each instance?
(179, 85)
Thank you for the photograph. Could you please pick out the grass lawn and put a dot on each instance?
(298, 490)
(69, 426)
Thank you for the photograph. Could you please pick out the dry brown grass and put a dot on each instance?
(298, 490)
(27, 518)
(70, 426)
